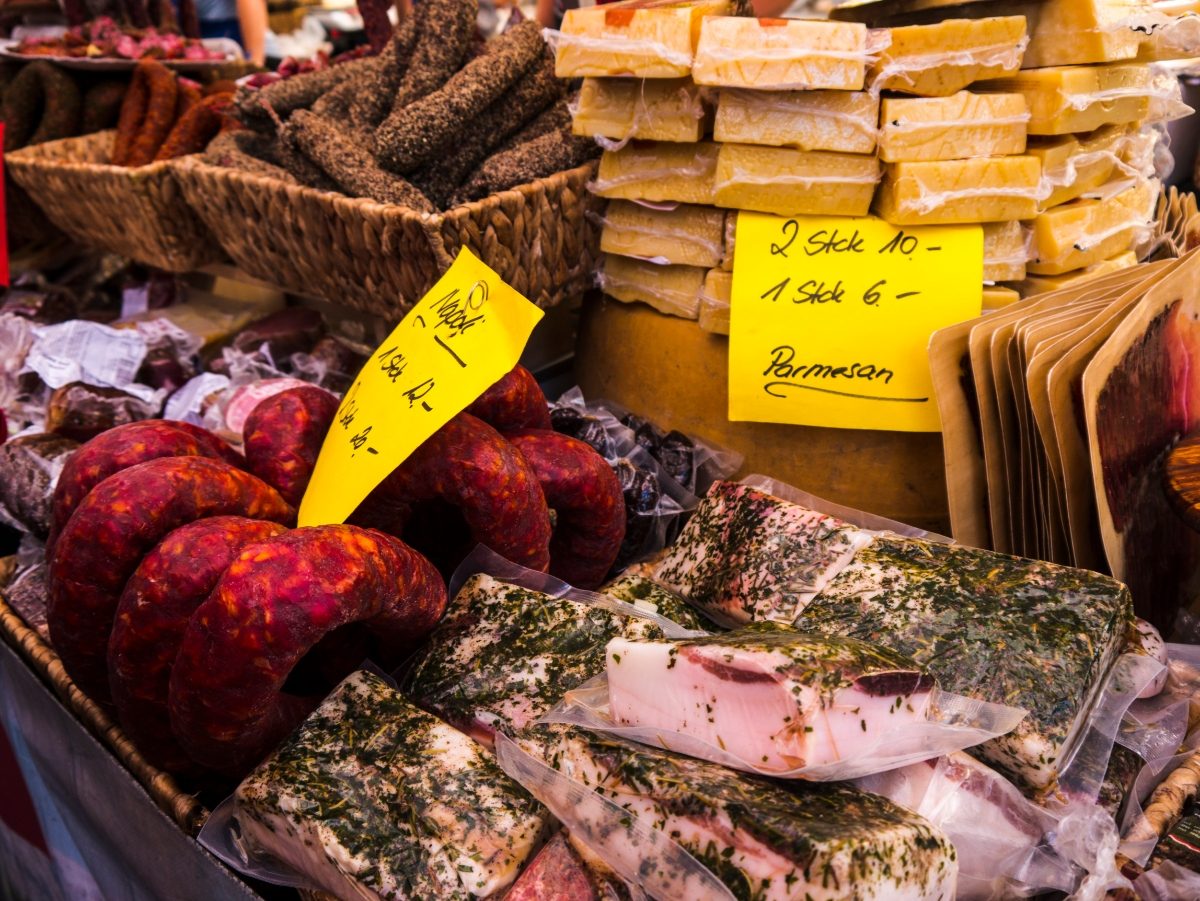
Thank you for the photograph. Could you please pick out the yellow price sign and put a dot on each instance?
(831, 318)
(463, 336)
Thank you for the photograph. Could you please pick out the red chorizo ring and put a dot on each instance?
(283, 436)
(122, 447)
(272, 606)
(116, 525)
(196, 127)
(160, 114)
(133, 111)
(470, 466)
(514, 402)
(158, 602)
(585, 495)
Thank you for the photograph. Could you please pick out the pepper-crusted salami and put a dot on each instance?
(556, 151)
(283, 437)
(41, 104)
(112, 529)
(582, 490)
(468, 465)
(158, 602)
(447, 28)
(514, 402)
(127, 445)
(101, 106)
(270, 608)
(161, 88)
(199, 125)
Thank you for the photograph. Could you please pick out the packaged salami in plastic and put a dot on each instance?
(675, 827)
(29, 470)
(374, 798)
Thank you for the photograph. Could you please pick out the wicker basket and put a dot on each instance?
(381, 259)
(138, 213)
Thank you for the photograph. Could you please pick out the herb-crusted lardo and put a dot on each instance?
(1019, 632)
(374, 798)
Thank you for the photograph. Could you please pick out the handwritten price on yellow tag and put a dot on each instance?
(831, 318)
(463, 336)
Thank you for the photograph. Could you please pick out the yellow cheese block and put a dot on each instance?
(794, 182)
(652, 109)
(687, 235)
(1072, 99)
(995, 298)
(1005, 251)
(715, 299)
(1073, 165)
(1040, 284)
(993, 189)
(673, 290)
(841, 121)
(1084, 232)
(958, 127)
(942, 58)
(1178, 38)
(639, 38)
(658, 171)
(781, 54)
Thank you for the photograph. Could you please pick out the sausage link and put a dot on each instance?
(283, 436)
(514, 402)
(162, 89)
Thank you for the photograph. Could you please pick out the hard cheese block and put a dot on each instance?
(639, 38)
(659, 171)
(686, 235)
(997, 298)
(374, 798)
(1005, 251)
(779, 54)
(842, 121)
(958, 127)
(993, 189)
(1072, 99)
(653, 109)
(1040, 284)
(1073, 165)
(942, 58)
(715, 299)
(1084, 232)
(794, 182)
(673, 290)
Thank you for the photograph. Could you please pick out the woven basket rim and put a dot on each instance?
(34, 155)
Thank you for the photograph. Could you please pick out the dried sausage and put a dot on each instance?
(133, 111)
(122, 447)
(514, 402)
(158, 602)
(468, 465)
(196, 127)
(161, 88)
(283, 436)
(589, 507)
(101, 106)
(274, 603)
(115, 526)
(555, 151)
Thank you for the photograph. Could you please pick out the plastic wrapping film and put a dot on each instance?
(640, 57)
(992, 189)
(1073, 168)
(964, 125)
(1007, 247)
(29, 470)
(673, 290)
(794, 182)
(715, 301)
(686, 235)
(1168, 882)
(842, 121)
(617, 110)
(1085, 232)
(658, 172)
(910, 72)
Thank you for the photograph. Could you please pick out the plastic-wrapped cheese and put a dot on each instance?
(958, 127)
(842, 121)
(1072, 99)
(673, 290)
(1040, 284)
(781, 54)
(992, 189)
(639, 38)
(1005, 251)
(997, 298)
(1084, 232)
(653, 109)
(794, 182)
(1073, 165)
(715, 301)
(942, 58)
(658, 171)
(687, 235)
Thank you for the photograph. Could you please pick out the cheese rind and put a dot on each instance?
(1072, 99)
(841, 121)
(652, 109)
(958, 127)
(780, 54)
(716, 301)
(659, 171)
(1005, 251)
(794, 182)
(1040, 284)
(1084, 232)
(940, 59)
(673, 290)
(687, 235)
(634, 38)
(993, 189)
